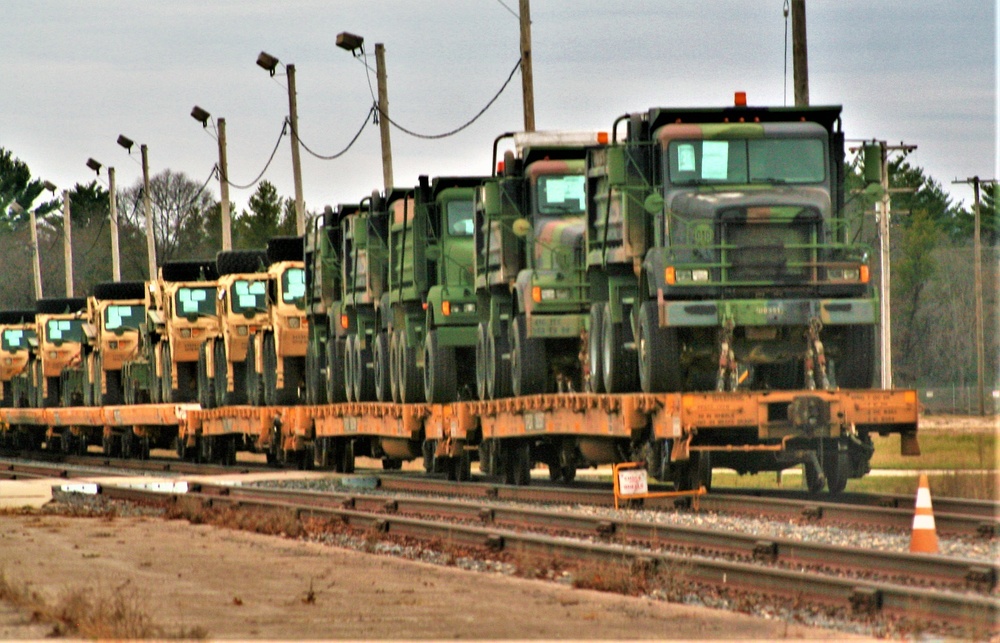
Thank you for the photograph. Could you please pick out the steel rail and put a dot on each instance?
(979, 613)
(807, 509)
(973, 574)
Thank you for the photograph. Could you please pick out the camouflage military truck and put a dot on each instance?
(327, 336)
(364, 261)
(17, 336)
(180, 316)
(530, 274)
(115, 313)
(276, 355)
(240, 307)
(719, 259)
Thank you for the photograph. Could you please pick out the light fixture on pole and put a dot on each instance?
(200, 115)
(116, 264)
(354, 43)
(270, 63)
(127, 143)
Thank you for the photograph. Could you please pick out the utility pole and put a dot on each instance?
(147, 206)
(116, 262)
(881, 163)
(977, 268)
(527, 80)
(36, 266)
(293, 118)
(800, 54)
(67, 244)
(383, 120)
(227, 227)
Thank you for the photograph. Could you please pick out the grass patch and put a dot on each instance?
(94, 613)
(939, 450)
(976, 486)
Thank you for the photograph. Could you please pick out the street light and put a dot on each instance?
(353, 43)
(202, 116)
(116, 264)
(270, 63)
(127, 143)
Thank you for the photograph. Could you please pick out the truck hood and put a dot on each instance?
(765, 202)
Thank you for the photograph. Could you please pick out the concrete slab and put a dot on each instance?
(15, 494)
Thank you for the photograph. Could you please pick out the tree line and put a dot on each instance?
(932, 289)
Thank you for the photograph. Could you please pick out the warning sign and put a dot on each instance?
(632, 482)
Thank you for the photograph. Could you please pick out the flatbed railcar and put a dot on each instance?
(746, 431)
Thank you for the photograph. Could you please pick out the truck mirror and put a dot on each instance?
(653, 203)
(521, 227)
(872, 161)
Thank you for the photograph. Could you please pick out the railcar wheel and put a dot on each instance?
(836, 467)
(440, 372)
(658, 353)
(336, 387)
(206, 389)
(617, 362)
(382, 368)
(595, 349)
(346, 453)
(528, 361)
(521, 461)
(392, 464)
(461, 467)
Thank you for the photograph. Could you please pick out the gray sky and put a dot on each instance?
(77, 73)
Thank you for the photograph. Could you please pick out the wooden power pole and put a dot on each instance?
(527, 80)
(800, 54)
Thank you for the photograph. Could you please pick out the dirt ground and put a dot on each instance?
(235, 585)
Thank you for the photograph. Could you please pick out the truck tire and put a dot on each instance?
(336, 387)
(381, 373)
(617, 362)
(595, 381)
(410, 383)
(658, 353)
(206, 384)
(528, 362)
(440, 376)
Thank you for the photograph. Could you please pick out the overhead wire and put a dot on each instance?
(284, 125)
(341, 152)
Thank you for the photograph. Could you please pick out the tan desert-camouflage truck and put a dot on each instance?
(17, 334)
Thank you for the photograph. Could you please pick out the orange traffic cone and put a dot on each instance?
(924, 538)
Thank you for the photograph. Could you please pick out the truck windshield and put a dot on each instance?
(742, 161)
(15, 339)
(293, 286)
(249, 296)
(460, 218)
(560, 194)
(195, 301)
(131, 317)
(64, 330)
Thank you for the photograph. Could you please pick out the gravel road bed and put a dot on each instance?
(973, 548)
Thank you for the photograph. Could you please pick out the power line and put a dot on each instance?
(284, 125)
(343, 151)
(517, 66)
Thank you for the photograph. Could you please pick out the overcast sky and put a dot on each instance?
(77, 73)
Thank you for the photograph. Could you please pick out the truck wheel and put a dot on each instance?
(411, 381)
(364, 374)
(382, 371)
(270, 374)
(440, 377)
(499, 371)
(855, 368)
(252, 381)
(89, 397)
(336, 387)
(221, 374)
(617, 362)
(166, 381)
(482, 360)
(595, 350)
(350, 387)
(113, 383)
(315, 387)
(658, 353)
(528, 362)
(206, 390)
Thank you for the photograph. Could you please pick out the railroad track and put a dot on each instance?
(863, 582)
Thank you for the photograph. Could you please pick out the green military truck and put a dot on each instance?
(431, 295)
(323, 243)
(719, 258)
(531, 288)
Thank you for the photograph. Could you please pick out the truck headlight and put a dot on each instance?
(294, 322)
